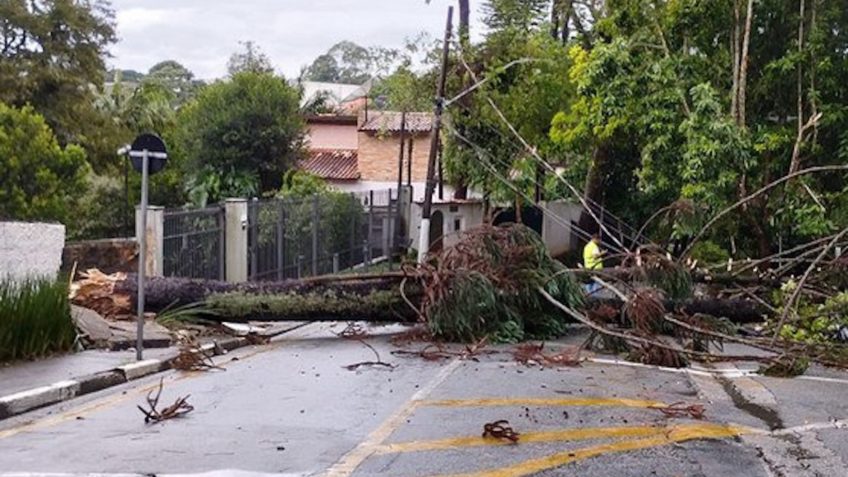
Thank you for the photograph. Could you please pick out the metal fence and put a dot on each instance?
(194, 243)
(295, 238)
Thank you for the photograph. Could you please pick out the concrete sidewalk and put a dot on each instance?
(29, 385)
(23, 375)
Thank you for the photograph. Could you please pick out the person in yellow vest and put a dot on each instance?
(593, 260)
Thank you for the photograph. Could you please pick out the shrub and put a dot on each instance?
(709, 253)
(35, 319)
(40, 180)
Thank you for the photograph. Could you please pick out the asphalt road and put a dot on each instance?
(292, 409)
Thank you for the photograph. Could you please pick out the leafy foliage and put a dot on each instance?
(251, 60)
(35, 319)
(40, 180)
(347, 62)
(486, 286)
(240, 136)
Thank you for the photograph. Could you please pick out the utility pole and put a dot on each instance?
(424, 237)
(399, 213)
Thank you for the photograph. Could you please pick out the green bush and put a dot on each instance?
(35, 319)
(709, 253)
(39, 180)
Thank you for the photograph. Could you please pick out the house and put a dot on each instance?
(360, 153)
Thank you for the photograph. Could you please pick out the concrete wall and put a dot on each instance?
(107, 255)
(417, 188)
(556, 226)
(332, 136)
(378, 157)
(30, 249)
(469, 215)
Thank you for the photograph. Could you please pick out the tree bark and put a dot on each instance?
(734, 48)
(743, 67)
(464, 23)
(460, 182)
(595, 181)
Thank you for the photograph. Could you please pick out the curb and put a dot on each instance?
(31, 399)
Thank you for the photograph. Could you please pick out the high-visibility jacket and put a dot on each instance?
(592, 256)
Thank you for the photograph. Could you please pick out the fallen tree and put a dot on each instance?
(736, 310)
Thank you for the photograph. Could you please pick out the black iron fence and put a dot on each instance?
(194, 243)
(328, 233)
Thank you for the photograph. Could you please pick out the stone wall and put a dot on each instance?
(30, 250)
(378, 157)
(108, 255)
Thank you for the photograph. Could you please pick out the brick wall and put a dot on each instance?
(378, 157)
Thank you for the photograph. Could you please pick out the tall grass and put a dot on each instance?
(35, 319)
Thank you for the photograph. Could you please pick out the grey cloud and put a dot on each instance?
(203, 33)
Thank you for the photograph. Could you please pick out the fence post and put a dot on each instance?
(155, 234)
(299, 266)
(366, 254)
(369, 235)
(281, 241)
(335, 263)
(235, 213)
(316, 219)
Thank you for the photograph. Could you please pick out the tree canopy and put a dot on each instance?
(41, 180)
(241, 135)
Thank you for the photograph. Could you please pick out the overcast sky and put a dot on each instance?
(201, 34)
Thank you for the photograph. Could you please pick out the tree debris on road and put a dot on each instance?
(180, 408)
(500, 430)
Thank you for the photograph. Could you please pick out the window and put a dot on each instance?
(457, 224)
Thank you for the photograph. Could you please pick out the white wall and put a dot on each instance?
(418, 189)
(556, 226)
(469, 214)
(30, 250)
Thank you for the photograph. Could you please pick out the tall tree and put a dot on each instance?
(176, 78)
(348, 62)
(241, 135)
(51, 56)
(41, 180)
(252, 59)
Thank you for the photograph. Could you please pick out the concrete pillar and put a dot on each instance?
(155, 266)
(236, 223)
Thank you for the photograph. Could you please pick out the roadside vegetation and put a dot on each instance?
(35, 319)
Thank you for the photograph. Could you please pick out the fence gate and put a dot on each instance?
(194, 243)
(296, 238)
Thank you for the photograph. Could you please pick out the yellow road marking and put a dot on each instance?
(353, 459)
(561, 435)
(552, 402)
(676, 434)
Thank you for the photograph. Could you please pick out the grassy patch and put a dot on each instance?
(35, 319)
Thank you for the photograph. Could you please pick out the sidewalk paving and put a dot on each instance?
(23, 375)
(28, 385)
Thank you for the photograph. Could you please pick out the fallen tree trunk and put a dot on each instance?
(635, 274)
(370, 298)
(374, 297)
(737, 311)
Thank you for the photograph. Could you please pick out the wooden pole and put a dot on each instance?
(399, 214)
(424, 237)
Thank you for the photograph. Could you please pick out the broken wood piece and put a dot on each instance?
(180, 408)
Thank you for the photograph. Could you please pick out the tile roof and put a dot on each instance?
(333, 164)
(389, 121)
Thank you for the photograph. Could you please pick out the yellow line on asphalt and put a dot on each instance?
(676, 434)
(353, 459)
(561, 435)
(551, 402)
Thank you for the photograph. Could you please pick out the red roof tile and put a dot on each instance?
(333, 164)
(389, 121)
